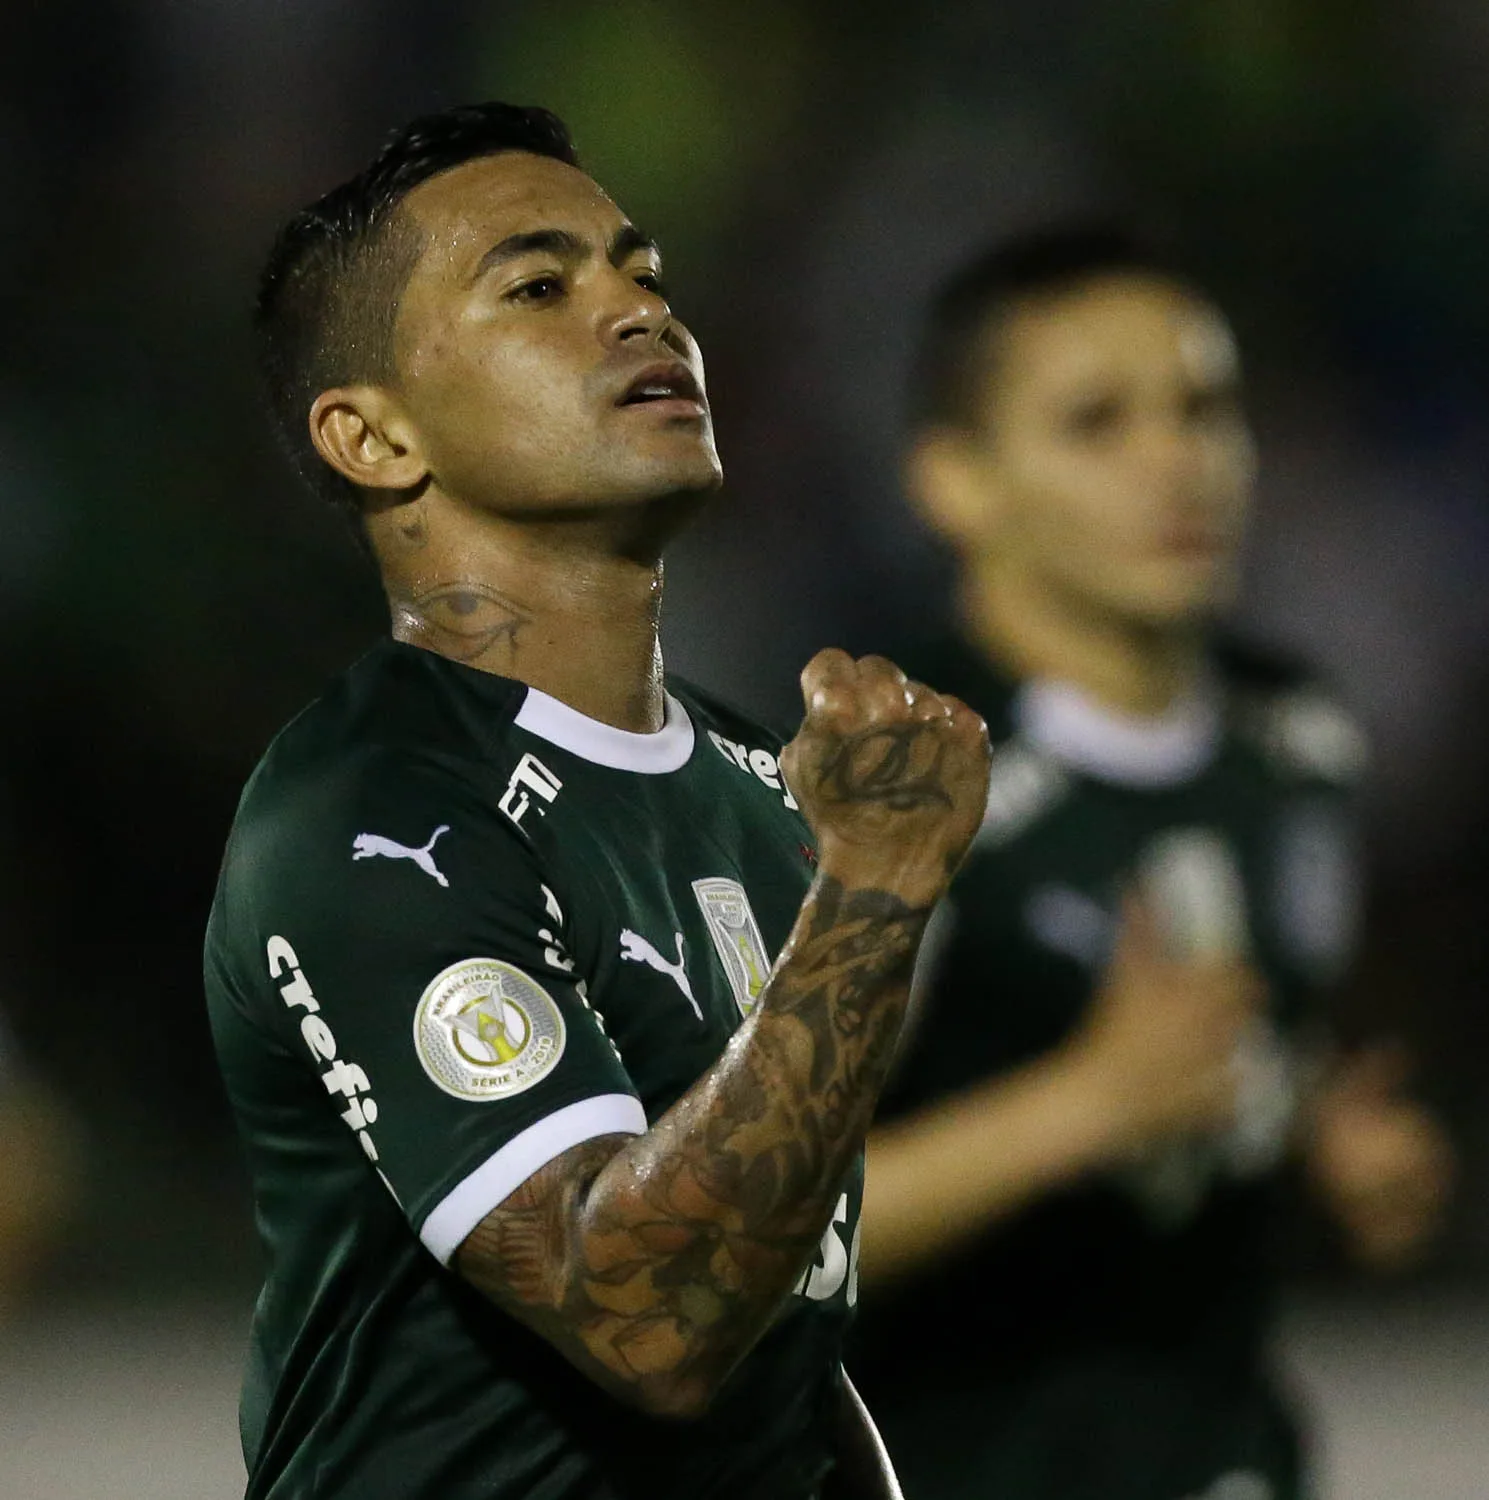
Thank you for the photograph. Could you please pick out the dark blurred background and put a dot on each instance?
(168, 597)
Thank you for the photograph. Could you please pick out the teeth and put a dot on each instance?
(661, 391)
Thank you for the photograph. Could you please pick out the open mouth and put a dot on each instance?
(670, 384)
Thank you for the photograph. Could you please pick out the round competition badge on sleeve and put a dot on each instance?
(485, 1030)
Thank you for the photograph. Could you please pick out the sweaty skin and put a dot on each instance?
(518, 501)
(656, 1262)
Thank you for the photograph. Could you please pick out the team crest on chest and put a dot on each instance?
(485, 1030)
(736, 938)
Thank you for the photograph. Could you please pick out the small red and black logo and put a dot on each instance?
(809, 854)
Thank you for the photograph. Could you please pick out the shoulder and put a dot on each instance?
(1291, 713)
(395, 743)
(399, 698)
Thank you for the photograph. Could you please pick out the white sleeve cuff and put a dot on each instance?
(499, 1176)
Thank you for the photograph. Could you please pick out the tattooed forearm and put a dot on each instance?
(658, 1268)
(655, 1262)
(464, 619)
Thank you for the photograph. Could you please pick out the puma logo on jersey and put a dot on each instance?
(637, 950)
(375, 846)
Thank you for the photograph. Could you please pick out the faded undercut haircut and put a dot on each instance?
(958, 339)
(328, 295)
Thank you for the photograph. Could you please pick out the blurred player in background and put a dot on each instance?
(1073, 1196)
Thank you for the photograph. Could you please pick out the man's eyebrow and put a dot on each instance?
(624, 243)
(628, 241)
(561, 242)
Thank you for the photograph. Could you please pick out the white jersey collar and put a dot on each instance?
(669, 749)
(1076, 730)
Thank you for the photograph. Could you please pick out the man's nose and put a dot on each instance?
(638, 313)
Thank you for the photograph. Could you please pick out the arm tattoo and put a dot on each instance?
(655, 1262)
(463, 620)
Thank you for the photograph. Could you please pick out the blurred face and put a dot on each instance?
(537, 360)
(1114, 460)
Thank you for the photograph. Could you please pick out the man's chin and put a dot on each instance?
(650, 509)
(695, 473)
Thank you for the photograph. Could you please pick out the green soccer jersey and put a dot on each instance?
(460, 929)
(1108, 1343)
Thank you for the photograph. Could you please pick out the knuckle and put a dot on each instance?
(880, 666)
(828, 663)
(832, 701)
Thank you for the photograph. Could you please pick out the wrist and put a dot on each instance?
(914, 878)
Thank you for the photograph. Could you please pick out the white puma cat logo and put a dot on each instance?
(371, 845)
(636, 949)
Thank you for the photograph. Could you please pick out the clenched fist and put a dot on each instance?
(892, 776)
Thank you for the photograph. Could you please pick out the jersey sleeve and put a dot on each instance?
(411, 958)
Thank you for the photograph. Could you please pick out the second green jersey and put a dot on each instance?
(461, 929)
(1111, 1339)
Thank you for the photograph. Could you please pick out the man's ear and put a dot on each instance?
(951, 481)
(360, 431)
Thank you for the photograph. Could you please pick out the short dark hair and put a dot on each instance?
(328, 295)
(952, 362)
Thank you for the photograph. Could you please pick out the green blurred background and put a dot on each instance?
(168, 597)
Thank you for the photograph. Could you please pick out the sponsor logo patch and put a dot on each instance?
(485, 1030)
(736, 937)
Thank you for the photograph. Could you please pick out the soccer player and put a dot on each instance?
(552, 997)
(1072, 1200)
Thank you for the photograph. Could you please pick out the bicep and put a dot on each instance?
(534, 1257)
(525, 1254)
